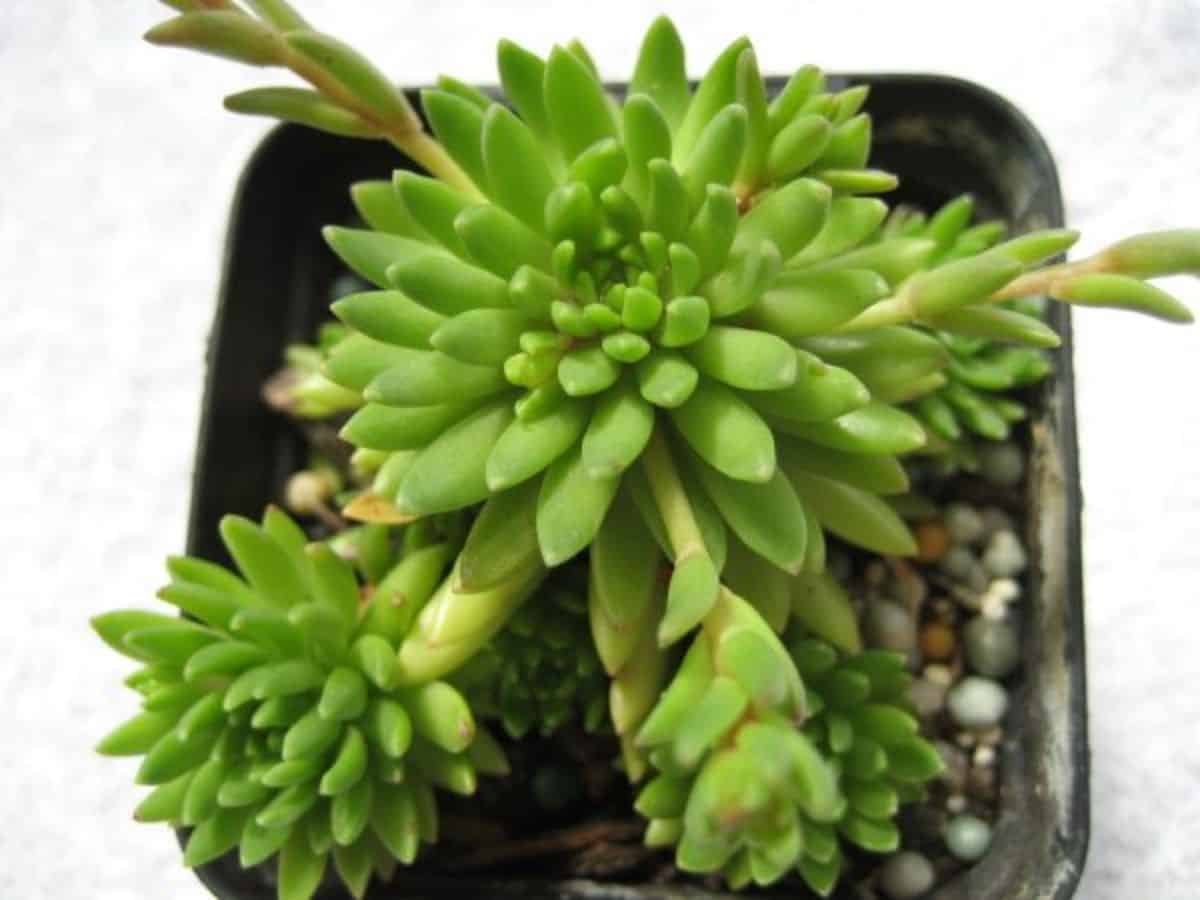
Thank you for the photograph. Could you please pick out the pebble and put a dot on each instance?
(977, 703)
(984, 756)
(939, 674)
(968, 838)
(1004, 556)
(908, 589)
(964, 524)
(938, 641)
(1002, 463)
(958, 562)
(933, 539)
(928, 698)
(991, 646)
(955, 804)
(995, 519)
(906, 875)
(889, 626)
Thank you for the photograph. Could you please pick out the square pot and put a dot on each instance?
(943, 137)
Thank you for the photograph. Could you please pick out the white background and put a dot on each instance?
(116, 170)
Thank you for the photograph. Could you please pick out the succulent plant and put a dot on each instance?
(860, 718)
(669, 330)
(272, 717)
(741, 791)
(301, 388)
(541, 672)
(973, 394)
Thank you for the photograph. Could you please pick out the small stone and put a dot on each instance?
(939, 674)
(966, 739)
(906, 875)
(938, 641)
(928, 698)
(958, 563)
(995, 519)
(1004, 556)
(964, 523)
(968, 838)
(933, 539)
(1002, 464)
(955, 804)
(888, 626)
(977, 703)
(991, 646)
(908, 589)
(984, 756)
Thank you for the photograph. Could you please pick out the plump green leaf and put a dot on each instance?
(726, 433)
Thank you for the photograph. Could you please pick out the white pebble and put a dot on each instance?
(956, 803)
(992, 607)
(977, 703)
(1004, 556)
(985, 756)
(906, 875)
(964, 523)
(968, 838)
(938, 674)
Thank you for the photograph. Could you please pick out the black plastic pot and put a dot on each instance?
(943, 137)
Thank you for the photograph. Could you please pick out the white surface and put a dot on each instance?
(117, 165)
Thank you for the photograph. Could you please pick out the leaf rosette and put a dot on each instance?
(273, 720)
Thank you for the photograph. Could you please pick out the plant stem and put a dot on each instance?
(896, 310)
(1039, 282)
(408, 137)
(431, 156)
(673, 505)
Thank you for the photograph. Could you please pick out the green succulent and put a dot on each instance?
(741, 791)
(671, 331)
(301, 388)
(541, 671)
(972, 394)
(860, 718)
(272, 717)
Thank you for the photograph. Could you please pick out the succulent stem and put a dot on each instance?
(1032, 283)
(678, 518)
(408, 137)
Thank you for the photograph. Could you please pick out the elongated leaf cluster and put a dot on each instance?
(272, 716)
(756, 780)
(973, 393)
(541, 672)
